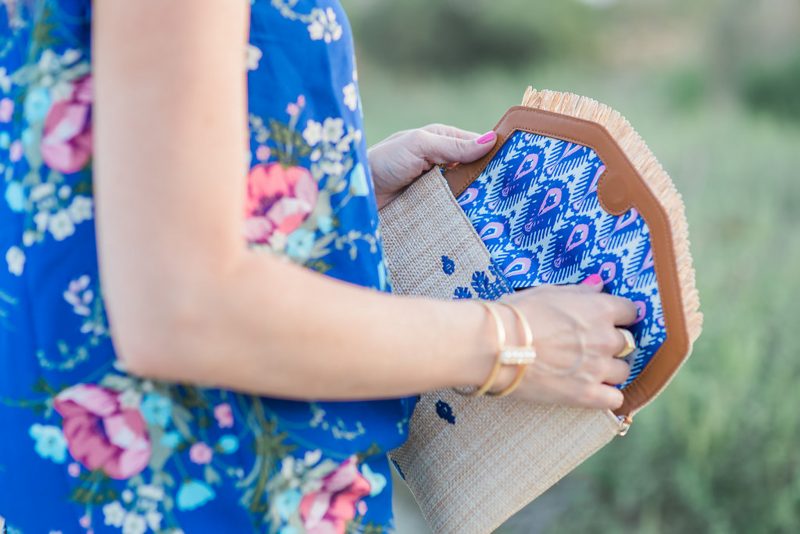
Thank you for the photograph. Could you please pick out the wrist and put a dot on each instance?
(481, 350)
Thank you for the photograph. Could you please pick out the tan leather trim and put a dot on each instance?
(620, 188)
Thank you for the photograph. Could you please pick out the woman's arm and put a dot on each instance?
(189, 302)
(186, 298)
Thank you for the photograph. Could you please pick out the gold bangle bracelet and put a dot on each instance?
(513, 385)
(520, 356)
(501, 341)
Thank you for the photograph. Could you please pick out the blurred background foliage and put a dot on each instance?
(714, 87)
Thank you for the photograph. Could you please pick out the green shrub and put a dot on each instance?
(774, 89)
(449, 36)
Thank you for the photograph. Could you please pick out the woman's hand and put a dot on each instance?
(575, 332)
(398, 160)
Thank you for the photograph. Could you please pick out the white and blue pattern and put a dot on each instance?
(536, 209)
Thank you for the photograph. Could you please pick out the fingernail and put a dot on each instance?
(488, 137)
(593, 280)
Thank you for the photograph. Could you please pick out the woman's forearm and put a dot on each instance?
(273, 328)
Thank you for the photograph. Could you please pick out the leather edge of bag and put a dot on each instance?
(620, 188)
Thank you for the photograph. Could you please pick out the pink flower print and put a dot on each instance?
(200, 453)
(15, 151)
(279, 200)
(74, 469)
(101, 433)
(6, 110)
(263, 153)
(224, 415)
(329, 509)
(294, 108)
(85, 521)
(67, 138)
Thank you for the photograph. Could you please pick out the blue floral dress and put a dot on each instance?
(85, 447)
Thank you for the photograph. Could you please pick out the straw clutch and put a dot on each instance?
(569, 190)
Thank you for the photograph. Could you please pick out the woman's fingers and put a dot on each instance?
(617, 372)
(451, 131)
(437, 148)
(623, 311)
(603, 396)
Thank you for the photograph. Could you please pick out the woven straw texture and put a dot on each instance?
(474, 465)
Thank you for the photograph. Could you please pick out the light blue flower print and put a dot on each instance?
(193, 494)
(31, 141)
(376, 480)
(382, 275)
(15, 196)
(171, 439)
(50, 442)
(286, 503)
(156, 409)
(37, 104)
(358, 181)
(228, 444)
(325, 223)
(299, 244)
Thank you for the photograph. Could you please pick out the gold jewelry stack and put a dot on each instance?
(518, 356)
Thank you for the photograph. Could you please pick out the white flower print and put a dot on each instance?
(61, 225)
(42, 191)
(332, 130)
(350, 96)
(323, 25)
(154, 521)
(15, 258)
(70, 56)
(154, 493)
(313, 133)
(114, 514)
(130, 398)
(134, 524)
(80, 296)
(331, 146)
(80, 209)
(254, 56)
(5, 80)
(28, 238)
(277, 242)
(40, 220)
(57, 210)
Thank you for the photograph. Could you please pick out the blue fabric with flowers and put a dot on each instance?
(84, 447)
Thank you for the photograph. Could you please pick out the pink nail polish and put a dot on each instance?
(593, 280)
(488, 137)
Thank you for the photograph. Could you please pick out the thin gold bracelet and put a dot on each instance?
(519, 356)
(501, 342)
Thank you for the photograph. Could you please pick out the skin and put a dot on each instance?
(189, 302)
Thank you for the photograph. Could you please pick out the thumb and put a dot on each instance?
(446, 149)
